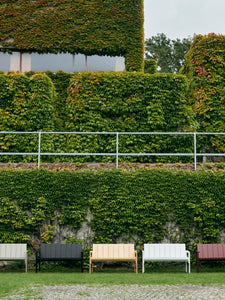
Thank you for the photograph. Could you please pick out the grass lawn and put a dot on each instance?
(10, 282)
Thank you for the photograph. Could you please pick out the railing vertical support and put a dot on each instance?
(39, 149)
(195, 157)
(117, 149)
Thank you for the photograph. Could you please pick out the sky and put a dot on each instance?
(184, 18)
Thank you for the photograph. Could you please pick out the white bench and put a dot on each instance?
(165, 252)
(14, 252)
(113, 252)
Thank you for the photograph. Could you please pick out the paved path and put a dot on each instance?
(115, 292)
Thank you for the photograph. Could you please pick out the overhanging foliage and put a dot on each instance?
(112, 27)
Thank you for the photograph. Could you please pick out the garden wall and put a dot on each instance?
(94, 102)
(109, 206)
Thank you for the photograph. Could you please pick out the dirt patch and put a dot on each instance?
(122, 166)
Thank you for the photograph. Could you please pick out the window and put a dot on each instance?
(54, 62)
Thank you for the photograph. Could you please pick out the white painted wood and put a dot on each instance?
(165, 252)
(14, 252)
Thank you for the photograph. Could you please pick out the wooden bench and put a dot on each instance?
(210, 252)
(14, 252)
(113, 252)
(59, 252)
(165, 252)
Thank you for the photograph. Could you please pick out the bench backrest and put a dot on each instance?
(13, 251)
(164, 251)
(211, 251)
(113, 251)
(61, 251)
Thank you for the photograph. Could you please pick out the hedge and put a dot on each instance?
(130, 102)
(150, 66)
(112, 27)
(205, 69)
(141, 206)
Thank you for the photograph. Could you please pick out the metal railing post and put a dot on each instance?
(117, 149)
(39, 149)
(195, 156)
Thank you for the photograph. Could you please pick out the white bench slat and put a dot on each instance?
(14, 252)
(165, 252)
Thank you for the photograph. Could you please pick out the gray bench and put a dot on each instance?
(59, 252)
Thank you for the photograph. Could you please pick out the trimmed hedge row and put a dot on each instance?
(150, 66)
(112, 27)
(130, 102)
(141, 206)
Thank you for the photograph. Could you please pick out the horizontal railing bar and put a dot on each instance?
(158, 154)
(112, 154)
(210, 154)
(76, 154)
(19, 132)
(120, 133)
(18, 153)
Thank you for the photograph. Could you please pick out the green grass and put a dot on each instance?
(11, 282)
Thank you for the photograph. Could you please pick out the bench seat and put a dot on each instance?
(165, 252)
(113, 252)
(13, 252)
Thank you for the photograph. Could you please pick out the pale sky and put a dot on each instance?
(183, 18)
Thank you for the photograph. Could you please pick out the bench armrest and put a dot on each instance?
(91, 253)
(188, 253)
(135, 253)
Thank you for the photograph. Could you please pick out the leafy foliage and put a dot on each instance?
(130, 102)
(112, 27)
(205, 68)
(150, 66)
(141, 206)
(169, 54)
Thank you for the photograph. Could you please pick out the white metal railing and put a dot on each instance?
(116, 153)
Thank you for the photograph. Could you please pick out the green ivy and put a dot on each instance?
(129, 102)
(150, 66)
(205, 69)
(126, 206)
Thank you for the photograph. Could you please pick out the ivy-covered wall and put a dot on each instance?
(205, 69)
(126, 101)
(111, 27)
(141, 206)
(130, 102)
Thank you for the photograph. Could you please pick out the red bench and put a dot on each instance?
(210, 252)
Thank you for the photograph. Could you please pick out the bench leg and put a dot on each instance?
(90, 266)
(26, 264)
(143, 265)
(198, 261)
(82, 265)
